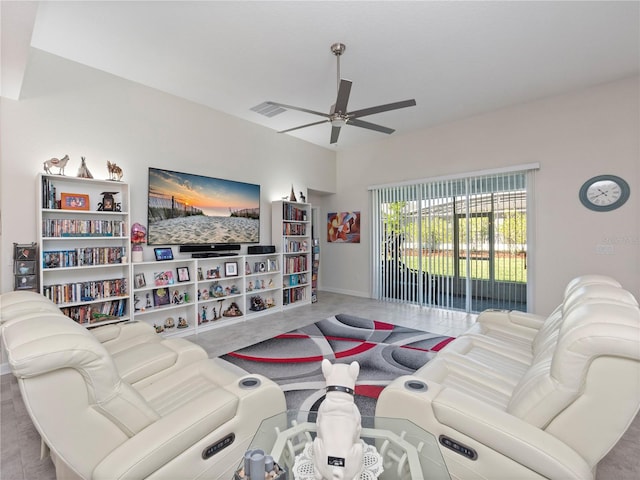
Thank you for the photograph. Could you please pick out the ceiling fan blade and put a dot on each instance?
(371, 126)
(343, 96)
(291, 107)
(303, 126)
(335, 132)
(381, 108)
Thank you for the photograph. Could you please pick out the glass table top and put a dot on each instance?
(408, 452)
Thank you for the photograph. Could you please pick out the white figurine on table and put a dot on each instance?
(337, 448)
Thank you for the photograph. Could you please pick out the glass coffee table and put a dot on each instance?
(406, 451)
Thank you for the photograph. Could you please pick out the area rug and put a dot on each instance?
(384, 352)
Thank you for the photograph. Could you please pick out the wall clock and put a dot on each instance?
(604, 193)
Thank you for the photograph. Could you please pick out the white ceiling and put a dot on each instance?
(457, 59)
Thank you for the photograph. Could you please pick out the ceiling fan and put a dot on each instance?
(338, 115)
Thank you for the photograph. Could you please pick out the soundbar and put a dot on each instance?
(212, 247)
(212, 254)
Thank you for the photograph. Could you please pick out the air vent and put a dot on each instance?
(268, 110)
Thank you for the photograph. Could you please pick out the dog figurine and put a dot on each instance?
(337, 448)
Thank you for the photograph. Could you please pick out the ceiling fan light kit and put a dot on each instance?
(338, 115)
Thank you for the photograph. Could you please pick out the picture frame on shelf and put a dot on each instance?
(108, 203)
(161, 297)
(260, 267)
(139, 280)
(163, 278)
(183, 274)
(272, 265)
(74, 201)
(231, 269)
(25, 282)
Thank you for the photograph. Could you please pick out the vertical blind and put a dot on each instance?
(458, 243)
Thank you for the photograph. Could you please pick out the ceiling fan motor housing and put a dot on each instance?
(338, 48)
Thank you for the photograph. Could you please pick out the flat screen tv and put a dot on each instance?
(197, 210)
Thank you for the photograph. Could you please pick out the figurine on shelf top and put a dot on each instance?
(115, 172)
(83, 171)
(303, 199)
(292, 195)
(59, 163)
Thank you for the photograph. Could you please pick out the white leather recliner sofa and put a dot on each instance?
(519, 396)
(188, 418)
(139, 353)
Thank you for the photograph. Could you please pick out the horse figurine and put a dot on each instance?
(115, 172)
(59, 163)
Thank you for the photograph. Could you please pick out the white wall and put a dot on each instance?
(573, 137)
(72, 109)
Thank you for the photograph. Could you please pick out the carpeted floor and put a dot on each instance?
(384, 352)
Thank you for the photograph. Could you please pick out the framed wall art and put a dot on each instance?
(343, 227)
(24, 252)
(25, 282)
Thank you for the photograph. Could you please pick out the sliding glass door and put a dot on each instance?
(455, 243)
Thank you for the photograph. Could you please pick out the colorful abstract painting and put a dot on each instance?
(343, 227)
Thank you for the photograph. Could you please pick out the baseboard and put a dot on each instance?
(353, 293)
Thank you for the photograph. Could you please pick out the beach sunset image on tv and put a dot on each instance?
(194, 209)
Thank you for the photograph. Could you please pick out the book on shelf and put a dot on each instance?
(293, 213)
(71, 227)
(80, 257)
(98, 312)
(86, 291)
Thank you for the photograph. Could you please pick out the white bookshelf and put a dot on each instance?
(84, 251)
(291, 233)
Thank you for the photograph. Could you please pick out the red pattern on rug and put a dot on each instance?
(383, 350)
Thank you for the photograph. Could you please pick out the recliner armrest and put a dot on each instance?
(120, 336)
(167, 438)
(525, 324)
(508, 435)
(512, 317)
